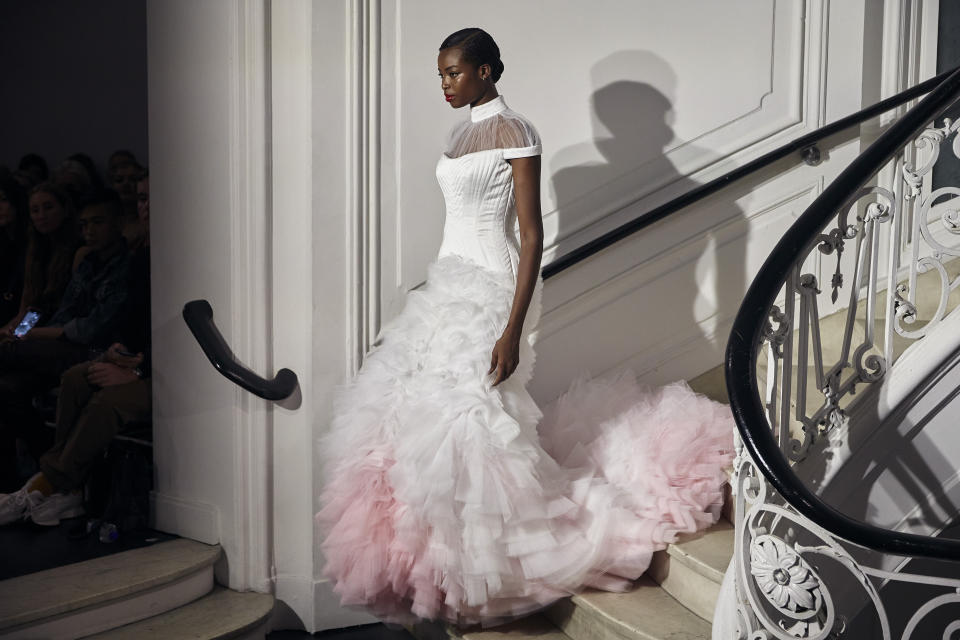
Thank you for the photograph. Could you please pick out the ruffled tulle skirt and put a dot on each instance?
(447, 498)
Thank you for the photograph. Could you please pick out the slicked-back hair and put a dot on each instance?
(478, 48)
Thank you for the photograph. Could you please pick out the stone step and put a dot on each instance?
(219, 615)
(645, 613)
(89, 597)
(691, 570)
(535, 627)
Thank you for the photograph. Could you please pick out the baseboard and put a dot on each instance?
(187, 518)
(328, 614)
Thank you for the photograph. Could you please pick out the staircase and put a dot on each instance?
(674, 600)
(163, 591)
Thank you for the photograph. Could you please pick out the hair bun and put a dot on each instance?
(496, 69)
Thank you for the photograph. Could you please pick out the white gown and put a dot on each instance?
(447, 498)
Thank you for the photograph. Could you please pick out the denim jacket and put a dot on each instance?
(94, 299)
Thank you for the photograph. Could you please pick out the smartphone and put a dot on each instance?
(29, 321)
(125, 354)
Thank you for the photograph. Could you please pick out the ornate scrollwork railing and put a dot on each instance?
(853, 261)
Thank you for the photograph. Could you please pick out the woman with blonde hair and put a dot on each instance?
(52, 243)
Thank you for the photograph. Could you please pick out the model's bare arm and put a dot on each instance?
(526, 185)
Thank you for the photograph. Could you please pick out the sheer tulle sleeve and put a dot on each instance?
(518, 138)
(506, 130)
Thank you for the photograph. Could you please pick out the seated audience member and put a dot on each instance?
(52, 242)
(117, 158)
(74, 178)
(88, 317)
(96, 400)
(35, 166)
(95, 180)
(25, 180)
(13, 246)
(125, 177)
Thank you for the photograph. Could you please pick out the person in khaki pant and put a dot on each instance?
(95, 402)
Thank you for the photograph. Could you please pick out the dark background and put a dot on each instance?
(74, 79)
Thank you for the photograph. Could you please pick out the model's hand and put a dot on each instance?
(127, 362)
(6, 335)
(107, 374)
(505, 357)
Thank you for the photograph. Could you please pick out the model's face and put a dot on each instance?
(7, 214)
(459, 79)
(46, 213)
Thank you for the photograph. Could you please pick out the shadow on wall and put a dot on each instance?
(633, 133)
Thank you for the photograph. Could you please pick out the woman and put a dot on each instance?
(52, 243)
(13, 244)
(440, 498)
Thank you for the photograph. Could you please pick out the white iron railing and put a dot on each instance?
(859, 281)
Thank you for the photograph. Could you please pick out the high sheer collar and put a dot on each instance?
(487, 109)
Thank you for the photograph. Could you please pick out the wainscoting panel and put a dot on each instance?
(633, 101)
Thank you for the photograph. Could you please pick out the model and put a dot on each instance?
(447, 493)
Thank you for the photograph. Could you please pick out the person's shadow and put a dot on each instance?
(701, 289)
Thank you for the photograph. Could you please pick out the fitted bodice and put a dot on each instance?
(478, 185)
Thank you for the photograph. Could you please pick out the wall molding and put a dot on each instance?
(659, 264)
(673, 357)
(300, 284)
(803, 115)
(364, 160)
(250, 257)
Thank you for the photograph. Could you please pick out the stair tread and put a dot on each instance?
(535, 626)
(74, 586)
(707, 553)
(220, 614)
(647, 612)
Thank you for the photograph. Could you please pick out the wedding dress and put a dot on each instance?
(447, 498)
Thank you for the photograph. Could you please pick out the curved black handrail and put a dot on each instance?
(800, 144)
(744, 344)
(199, 317)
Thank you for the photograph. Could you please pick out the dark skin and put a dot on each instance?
(473, 85)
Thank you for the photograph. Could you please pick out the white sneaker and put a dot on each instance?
(50, 510)
(17, 505)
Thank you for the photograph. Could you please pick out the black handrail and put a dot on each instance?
(199, 317)
(800, 144)
(744, 344)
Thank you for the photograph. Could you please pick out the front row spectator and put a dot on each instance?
(52, 242)
(13, 245)
(96, 400)
(87, 318)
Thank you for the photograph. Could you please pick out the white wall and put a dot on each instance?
(210, 240)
